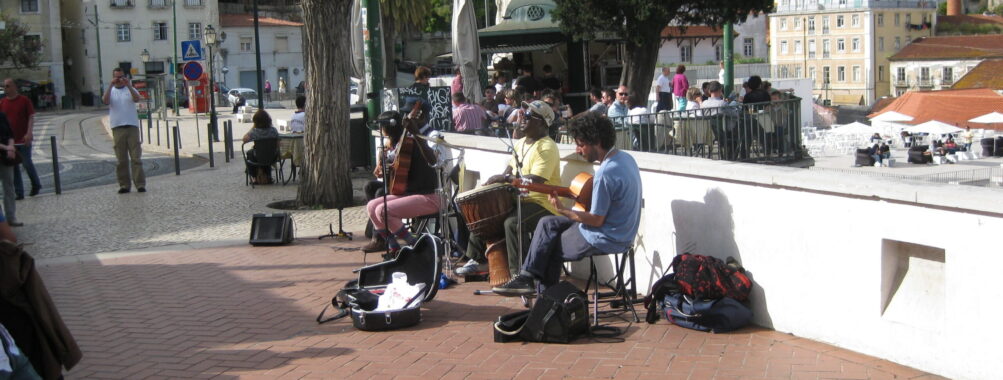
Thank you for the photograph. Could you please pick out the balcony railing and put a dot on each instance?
(122, 3)
(924, 82)
(900, 82)
(946, 81)
(194, 3)
(157, 4)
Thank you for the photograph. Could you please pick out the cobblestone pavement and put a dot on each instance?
(248, 312)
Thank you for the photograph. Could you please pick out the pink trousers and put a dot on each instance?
(400, 207)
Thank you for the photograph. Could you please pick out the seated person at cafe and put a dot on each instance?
(263, 129)
(541, 163)
(419, 196)
(885, 151)
(468, 118)
(298, 122)
(875, 152)
(950, 147)
(608, 227)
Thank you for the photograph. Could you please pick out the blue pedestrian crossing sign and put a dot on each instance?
(191, 50)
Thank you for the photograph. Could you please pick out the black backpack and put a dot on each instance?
(560, 315)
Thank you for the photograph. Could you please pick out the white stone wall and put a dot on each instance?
(849, 262)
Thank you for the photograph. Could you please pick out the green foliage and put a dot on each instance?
(743, 60)
(998, 10)
(15, 49)
(441, 16)
(637, 21)
(406, 14)
(968, 28)
(942, 8)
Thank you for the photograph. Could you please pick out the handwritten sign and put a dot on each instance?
(389, 99)
(437, 98)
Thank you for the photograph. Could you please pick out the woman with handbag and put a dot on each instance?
(8, 161)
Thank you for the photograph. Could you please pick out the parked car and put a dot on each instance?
(169, 98)
(249, 94)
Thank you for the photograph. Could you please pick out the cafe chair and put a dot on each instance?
(264, 154)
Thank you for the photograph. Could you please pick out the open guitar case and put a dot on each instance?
(422, 264)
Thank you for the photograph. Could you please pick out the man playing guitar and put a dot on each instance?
(418, 195)
(540, 161)
(610, 224)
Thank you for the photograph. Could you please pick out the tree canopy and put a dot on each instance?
(16, 47)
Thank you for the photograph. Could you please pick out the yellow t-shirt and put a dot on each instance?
(540, 158)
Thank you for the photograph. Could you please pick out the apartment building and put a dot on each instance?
(698, 45)
(844, 45)
(281, 51)
(114, 33)
(42, 18)
(935, 63)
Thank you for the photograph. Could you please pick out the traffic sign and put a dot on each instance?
(191, 50)
(192, 70)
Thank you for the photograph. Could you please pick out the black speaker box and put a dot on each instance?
(271, 229)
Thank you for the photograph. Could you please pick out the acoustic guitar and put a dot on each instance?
(580, 190)
(405, 148)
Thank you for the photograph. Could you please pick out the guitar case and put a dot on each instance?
(422, 264)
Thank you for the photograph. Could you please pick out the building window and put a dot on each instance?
(825, 25)
(686, 53)
(856, 73)
(924, 73)
(855, 20)
(748, 47)
(811, 48)
(123, 33)
(825, 48)
(193, 3)
(908, 18)
(881, 19)
(881, 72)
(948, 75)
(841, 45)
(33, 42)
(855, 44)
(783, 47)
(881, 44)
(195, 31)
(718, 52)
(783, 23)
(897, 21)
(29, 6)
(841, 74)
(900, 75)
(898, 43)
(797, 23)
(811, 73)
(840, 21)
(825, 74)
(811, 25)
(160, 31)
(797, 72)
(842, 3)
(281, 44)
(797, 47)
(158, 4)
(245, 43)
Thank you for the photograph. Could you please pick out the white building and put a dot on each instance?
(935, 63)
(699, 45)
(281, 52)
(127, 27)
(41, 18)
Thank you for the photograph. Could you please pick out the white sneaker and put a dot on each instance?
(471, 267)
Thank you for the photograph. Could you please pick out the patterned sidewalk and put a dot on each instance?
(248, 312)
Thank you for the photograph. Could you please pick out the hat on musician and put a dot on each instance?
(541, 109)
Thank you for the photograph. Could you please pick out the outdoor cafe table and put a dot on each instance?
(291, 148)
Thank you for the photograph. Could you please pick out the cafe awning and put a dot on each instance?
(518, 48)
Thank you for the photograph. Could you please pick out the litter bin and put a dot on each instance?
(87, 99)
(988, 148)
(999, 147)
(358, 136)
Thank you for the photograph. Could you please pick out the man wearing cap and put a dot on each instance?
(536, 157)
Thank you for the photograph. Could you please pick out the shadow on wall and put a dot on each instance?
(708, 228)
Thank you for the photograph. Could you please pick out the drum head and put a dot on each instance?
(486, 189)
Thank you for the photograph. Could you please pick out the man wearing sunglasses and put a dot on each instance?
(619, 106)
(540, 163)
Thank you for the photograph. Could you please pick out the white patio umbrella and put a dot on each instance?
(892, 116)
(933, 127)
(467, 48)
(854, 128)
(989, 118)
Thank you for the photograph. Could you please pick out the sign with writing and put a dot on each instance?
(192, 70)
(191, 50)
(439, 102)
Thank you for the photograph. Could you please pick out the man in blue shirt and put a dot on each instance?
(609, 226)
(619, 107)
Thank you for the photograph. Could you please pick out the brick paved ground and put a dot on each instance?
(248, 312)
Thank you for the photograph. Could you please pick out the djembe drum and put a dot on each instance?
(485, 209)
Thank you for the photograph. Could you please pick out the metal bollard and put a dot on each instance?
(158, 132)
(198, 138)
(177, 136)
(212, 161)
(149, 128)
(177, 158)
(167, 132)
(55, 165)
(226, 141)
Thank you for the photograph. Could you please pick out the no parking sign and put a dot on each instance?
(192, 70)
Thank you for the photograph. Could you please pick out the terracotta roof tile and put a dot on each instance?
(949, 106)
(985, 75)
(982, 46)
(247, 20)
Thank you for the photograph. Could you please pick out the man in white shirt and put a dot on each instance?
(298, 122)
(664, 89)
(121, 99)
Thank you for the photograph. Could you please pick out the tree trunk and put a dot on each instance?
(389, 54)
(326, 181)
(640, 65)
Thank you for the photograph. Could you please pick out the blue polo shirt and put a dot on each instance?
(616, 194)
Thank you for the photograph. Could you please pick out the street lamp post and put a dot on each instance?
(210, 40)
(145, 56)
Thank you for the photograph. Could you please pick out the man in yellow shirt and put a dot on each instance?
(541, 163)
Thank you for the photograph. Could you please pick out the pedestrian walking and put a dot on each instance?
(121, 99)
(268, 91)
(21, 116)
(282, 86)
(7, 164)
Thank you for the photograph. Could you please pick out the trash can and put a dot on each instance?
(988, 148)
(999, 147)
(358, 136)
(87, 99)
